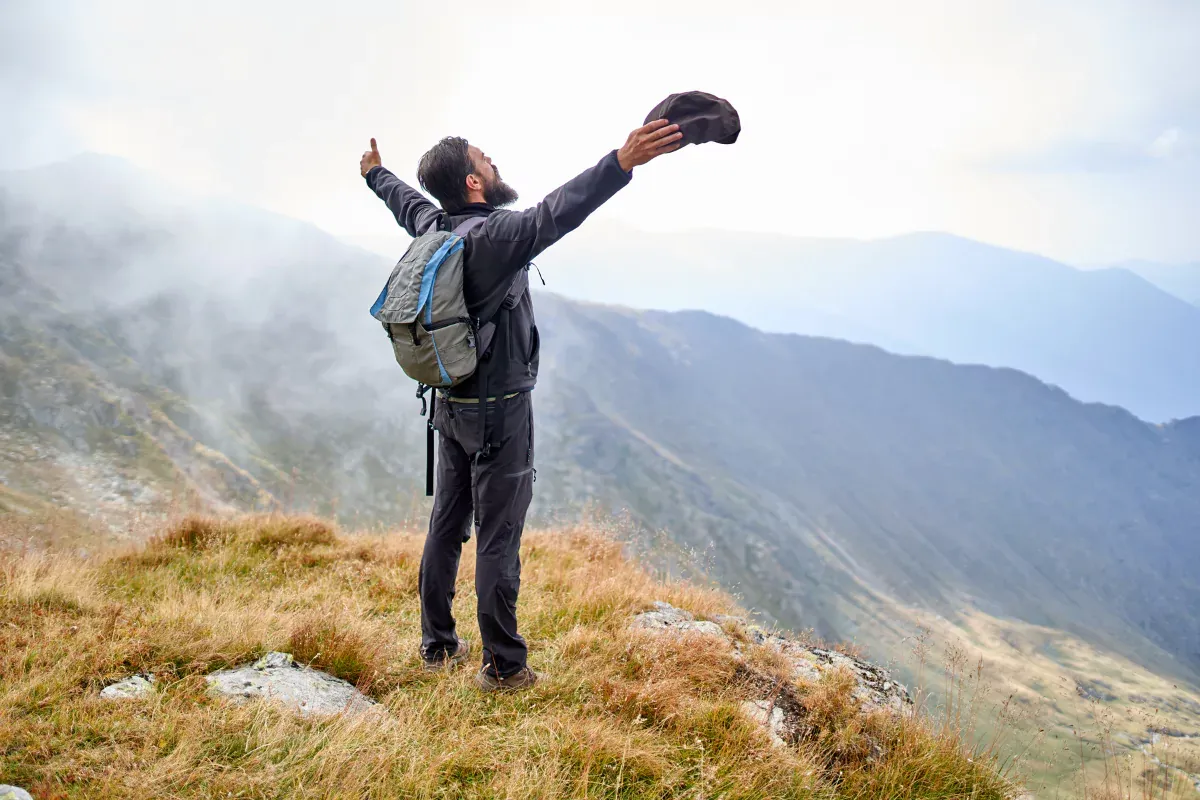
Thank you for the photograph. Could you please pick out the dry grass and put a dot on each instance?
(1027, 703)
(625, 714)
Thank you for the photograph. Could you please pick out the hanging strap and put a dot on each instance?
(484, 451)
(429, 445)
(422, 389)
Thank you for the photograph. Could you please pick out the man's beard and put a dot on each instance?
(499, 194)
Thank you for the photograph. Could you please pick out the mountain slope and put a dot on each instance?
(231, 352)
(929, 481)
(1103, 336)
(1181, 280)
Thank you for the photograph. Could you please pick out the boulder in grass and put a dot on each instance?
(667, 618)
(276, 676)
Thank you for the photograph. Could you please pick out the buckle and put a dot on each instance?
(421, 390)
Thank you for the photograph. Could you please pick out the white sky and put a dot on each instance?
(1068, 128)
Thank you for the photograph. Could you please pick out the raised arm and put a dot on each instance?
(519, 236)
(411, 209)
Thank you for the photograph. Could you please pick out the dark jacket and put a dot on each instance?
(496, 258)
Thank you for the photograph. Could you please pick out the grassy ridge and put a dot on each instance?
(624, 714)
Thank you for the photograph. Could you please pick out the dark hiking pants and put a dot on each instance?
(497, 487)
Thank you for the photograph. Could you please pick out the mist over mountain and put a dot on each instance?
(153, 343)
(240, 332)
(1103, 336)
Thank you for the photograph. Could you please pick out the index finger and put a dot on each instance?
(373, 146)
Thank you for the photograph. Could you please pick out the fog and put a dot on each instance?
(1068, 129)
(256, 325)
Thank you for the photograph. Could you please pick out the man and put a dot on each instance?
(485, 467)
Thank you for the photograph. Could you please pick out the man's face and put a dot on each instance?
(495, 191)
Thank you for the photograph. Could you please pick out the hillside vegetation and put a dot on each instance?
(821, 473)
(624, 713)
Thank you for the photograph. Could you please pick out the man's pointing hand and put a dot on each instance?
(649, 142)
(370, 159)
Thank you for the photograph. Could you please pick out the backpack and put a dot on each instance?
(424, 313)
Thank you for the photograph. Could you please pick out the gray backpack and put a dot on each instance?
(423, 310)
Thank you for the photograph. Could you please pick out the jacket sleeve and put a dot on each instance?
(511, 239)
(412, 209)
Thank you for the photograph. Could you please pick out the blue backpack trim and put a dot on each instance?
(377, 306)
(438, 356)
(451, 245)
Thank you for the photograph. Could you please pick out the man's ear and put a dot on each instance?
(474, 184)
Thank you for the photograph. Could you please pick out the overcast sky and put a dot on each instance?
(1067, 128)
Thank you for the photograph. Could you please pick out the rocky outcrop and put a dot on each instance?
(780, 711)
(276, 676)
(876, 688)
(665, 617)
(13, 793)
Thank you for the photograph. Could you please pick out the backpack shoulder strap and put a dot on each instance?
(466, 226)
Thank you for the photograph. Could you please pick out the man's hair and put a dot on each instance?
(443, 172)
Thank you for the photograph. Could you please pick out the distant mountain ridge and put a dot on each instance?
(1103, 336)
(1181, 280)
(813, 475)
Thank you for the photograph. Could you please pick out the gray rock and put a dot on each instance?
(667, 618)
(770, 717)
(129, 689)
(276, 676)
(13, 793)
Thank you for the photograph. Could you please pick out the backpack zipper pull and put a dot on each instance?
(539, 272)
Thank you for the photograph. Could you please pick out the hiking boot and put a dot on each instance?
(444, 659)
(487, 681)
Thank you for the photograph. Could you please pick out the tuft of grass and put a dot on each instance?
(268, 531)
(194, 532)
(276, 531)
(333, 643)
(623, 714)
